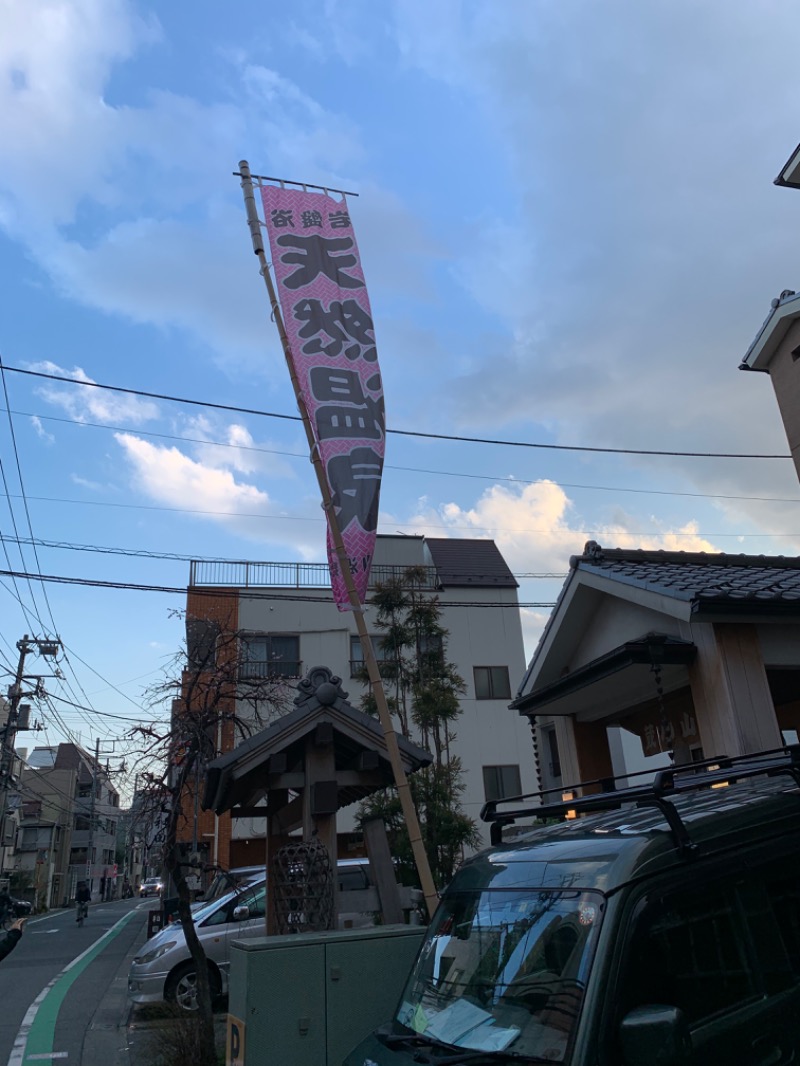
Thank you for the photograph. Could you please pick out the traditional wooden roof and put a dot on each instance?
(273, 758)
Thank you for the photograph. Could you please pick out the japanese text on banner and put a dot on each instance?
(328, 321)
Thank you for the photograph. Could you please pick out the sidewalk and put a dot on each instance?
(106, 1039)
(121, 1034)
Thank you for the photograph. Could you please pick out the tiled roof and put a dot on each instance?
(468, 563)
(755, 581)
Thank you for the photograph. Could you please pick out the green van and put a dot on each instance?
(654, 925)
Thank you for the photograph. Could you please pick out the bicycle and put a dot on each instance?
(83, 912)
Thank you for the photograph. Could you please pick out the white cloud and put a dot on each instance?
(172, 479)
(169, 476)
(41, 432)
(87, 404)
(239, 451)
(86, 483)
(55, 59)
(534, 527)
(637, 259)
(169, 245)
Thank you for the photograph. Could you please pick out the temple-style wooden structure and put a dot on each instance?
(299, 771)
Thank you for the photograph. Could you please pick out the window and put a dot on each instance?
(352, 878)
(201, 643)
(33, 838)
(501, 781)
(357, 653)
(431, 653)
(270, 655)
(491, 683)
(552, 751)
(689, 952)
(81, 823)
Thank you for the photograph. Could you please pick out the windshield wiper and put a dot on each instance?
(468, 1055)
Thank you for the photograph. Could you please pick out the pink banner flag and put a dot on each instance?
(328, 320)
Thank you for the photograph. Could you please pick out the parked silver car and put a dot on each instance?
(227, 880)
(165, 971)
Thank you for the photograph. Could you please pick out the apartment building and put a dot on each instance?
(67, 778)
(289, 623)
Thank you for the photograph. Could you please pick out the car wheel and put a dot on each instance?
(181, 987)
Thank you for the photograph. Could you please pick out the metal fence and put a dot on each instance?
(203, 573)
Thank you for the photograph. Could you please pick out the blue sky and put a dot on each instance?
(570, 235)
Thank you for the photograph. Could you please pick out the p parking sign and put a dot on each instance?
(234, 1045)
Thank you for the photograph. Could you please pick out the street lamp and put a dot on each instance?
(790, 172)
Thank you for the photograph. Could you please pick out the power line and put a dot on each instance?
(494, 478)
(396, 432)
(62, 679)
(143, 553)
(409, 525)
(24, 501)
(181, 590)
(105, 681)
(92, 710)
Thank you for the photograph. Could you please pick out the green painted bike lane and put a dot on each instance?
(38, 1041)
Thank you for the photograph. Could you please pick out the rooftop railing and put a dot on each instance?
(203, 573)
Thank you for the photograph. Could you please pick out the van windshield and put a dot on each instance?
(504, 969)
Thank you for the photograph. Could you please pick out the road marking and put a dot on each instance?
(50, 1055)
(38, 1031)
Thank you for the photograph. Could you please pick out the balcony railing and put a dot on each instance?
(264, 671)
(288, 575)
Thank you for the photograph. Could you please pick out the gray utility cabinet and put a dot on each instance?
(308, 999)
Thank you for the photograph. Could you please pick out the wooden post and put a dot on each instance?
(376, 684)
(320, 773)
(382, 867)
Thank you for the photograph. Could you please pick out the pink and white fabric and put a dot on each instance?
(328, 320)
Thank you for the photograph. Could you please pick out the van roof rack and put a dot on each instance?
(665, 786)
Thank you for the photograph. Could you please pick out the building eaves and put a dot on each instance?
(784, 309)
(653, 648)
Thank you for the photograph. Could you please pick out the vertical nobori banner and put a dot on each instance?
(328, 321)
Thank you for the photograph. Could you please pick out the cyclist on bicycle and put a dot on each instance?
(82, 898)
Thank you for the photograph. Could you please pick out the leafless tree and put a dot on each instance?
(216, 696)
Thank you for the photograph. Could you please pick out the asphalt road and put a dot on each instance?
(53, 984)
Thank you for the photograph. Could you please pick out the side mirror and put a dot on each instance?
(241, 913)
(655, 1035)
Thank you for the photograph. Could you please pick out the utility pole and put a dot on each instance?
(95, 765)
(13, 723)
(130, 838)
(97, 774)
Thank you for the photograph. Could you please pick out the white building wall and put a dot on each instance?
(488, 733)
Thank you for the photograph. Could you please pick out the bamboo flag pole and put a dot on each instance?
(376, 683)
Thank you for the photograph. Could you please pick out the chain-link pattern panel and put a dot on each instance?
(302, 882)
